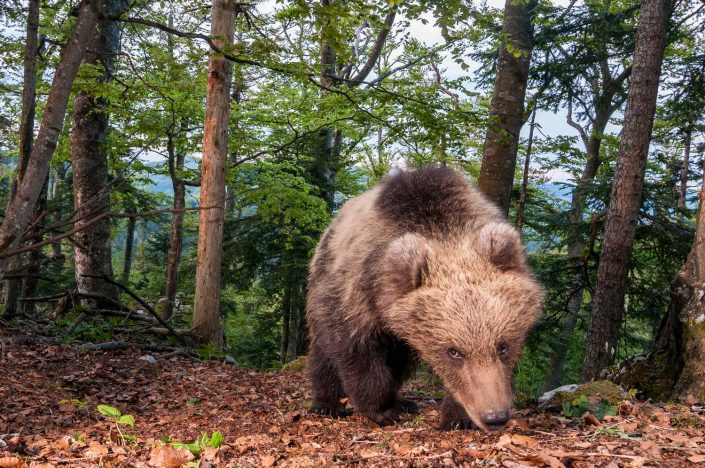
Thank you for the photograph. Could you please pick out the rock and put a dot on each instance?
(546, 397)
(149, 358)
(607, 391)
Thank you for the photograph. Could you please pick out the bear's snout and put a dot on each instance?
(495, 420)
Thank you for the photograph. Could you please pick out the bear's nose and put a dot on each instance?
(498, 418)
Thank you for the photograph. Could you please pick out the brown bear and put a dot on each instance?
(420, 267)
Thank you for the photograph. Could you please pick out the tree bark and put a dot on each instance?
(18, 215)
(176, 164)
(89, 162)
(286, 320)
(206, 314)
(129, 247)
(507, 109)
(521, 206)
(29, 91)
(683, 187)
(612, 272)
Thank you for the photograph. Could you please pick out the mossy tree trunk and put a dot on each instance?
(676, 366)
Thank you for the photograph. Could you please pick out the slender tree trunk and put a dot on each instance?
(129, 247)
(89, 161)
(612, 272)
(286, 320)
(683, 188)
(300, 345)
(18, 215)
(325, 166)
(576, 248)
(29, 90)
(176, 164)
(327, 158)
(56, 189)
(521, 207)
(507, 108)
(206, 313)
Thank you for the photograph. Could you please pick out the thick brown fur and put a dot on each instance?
(422, 266)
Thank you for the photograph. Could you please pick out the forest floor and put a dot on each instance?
(49, 417)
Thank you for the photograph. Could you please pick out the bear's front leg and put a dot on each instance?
(453, 416)
(371, 385)
(327, 389)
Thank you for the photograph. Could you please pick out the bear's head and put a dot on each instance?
(465, 305)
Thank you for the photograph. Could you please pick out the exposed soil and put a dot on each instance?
(48, 417)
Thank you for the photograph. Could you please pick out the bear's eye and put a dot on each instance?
(454, 353)
(503, 350)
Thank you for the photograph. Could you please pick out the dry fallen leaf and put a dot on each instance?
(12, 462)
(267, 460)
(697, 459)
(166, 456)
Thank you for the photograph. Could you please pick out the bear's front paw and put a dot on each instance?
(328, 411)
(405, 405)
(386, 418)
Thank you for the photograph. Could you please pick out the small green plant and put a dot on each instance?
(74, 401)
(201, 442)
(684, 420)
(615, 432)
(209, 351)
(581, 405)
(116, 416)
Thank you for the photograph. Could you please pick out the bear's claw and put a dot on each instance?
(332, 412)
(405, 405)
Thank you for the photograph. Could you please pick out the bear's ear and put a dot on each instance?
(407, 261)
(501, 245)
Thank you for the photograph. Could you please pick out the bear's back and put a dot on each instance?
(436, 202)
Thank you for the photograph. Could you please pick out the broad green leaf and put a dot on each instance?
(127, 419)
(109, 411)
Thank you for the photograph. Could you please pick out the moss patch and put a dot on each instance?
(297, 365)
(609, 392)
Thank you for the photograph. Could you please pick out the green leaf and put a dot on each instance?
(217, 439)
(193, 448)
(127, 419)
(109, 411)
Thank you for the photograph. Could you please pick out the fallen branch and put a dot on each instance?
(119, 345)
(143, 303)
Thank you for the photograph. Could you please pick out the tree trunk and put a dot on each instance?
(612, 272)
(176, 164)
(327, 158)
(29, 91)
(18, 215)
(206, 314)
(521, 207)
(507, 108)
(129, 247)
(57, 186)
(676, 365)
(576, 245)
(286, 320)
(89, 161)
(683, 188)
